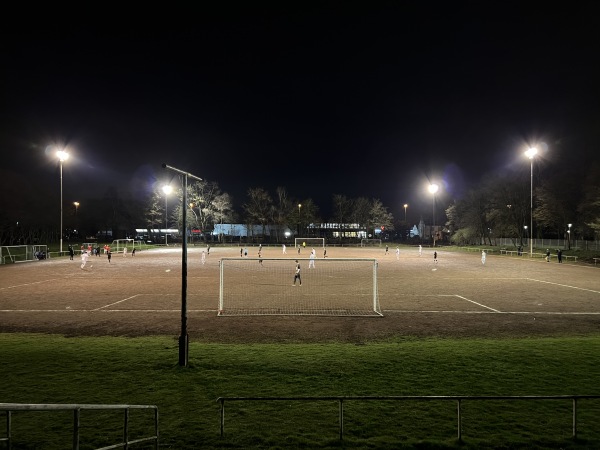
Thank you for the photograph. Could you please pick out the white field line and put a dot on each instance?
(116, 303)
(564, 285)
(27, 284)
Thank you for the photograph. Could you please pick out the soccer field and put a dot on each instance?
(455, 296)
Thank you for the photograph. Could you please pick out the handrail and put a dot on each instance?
(77, 408)
(457, 398)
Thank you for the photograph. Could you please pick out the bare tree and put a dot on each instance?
(259, 208)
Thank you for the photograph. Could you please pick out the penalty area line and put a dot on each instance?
(564, 285)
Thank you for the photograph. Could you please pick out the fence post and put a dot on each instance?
(574, 418)
(459, 420)
(341, 418)
(222, 401)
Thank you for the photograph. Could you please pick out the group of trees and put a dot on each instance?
(496, 207)
(208, 206)
(500, 207)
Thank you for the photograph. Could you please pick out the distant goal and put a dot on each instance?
(310, 242)
(370, 242)
(334, 287)
(118, 245)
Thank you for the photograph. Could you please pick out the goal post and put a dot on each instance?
(370, 242)
(118, 245)
(310, 242)
(22, 253)
(330, 287)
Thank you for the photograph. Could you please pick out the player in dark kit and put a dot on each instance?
(297, 274)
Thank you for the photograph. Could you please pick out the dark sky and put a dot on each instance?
(370, 99)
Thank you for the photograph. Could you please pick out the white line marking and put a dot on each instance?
(564, 285)
(479, 304)
(27, 284)
(116, 303)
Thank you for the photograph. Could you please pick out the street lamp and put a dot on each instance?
(433, 188)
(299, 224)
(569, 235)
(531, 154)
(167, 190)
(76, 206)
(405, 206)
(62, 157)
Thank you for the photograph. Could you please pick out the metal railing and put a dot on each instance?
(456, 398)
(9, 408)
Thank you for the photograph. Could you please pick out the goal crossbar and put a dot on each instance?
(310, 242)
(327, 287)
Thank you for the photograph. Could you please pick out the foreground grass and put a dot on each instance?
(55, 369)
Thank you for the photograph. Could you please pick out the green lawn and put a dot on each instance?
(56, 369)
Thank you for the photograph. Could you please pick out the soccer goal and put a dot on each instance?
(370, 242)
(22, 253)
(310, 242)
(333, 287)
(118, 245)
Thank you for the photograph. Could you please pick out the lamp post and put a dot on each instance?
(299, 222)
(167, 190)
(569, 235)
(405, 206)
(76, 206)
(531, 154)
(433, 188)
(62, 157)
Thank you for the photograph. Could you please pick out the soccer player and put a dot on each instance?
(311, 261)
(482, 256)
(284, 250)
(203, 257)
(435, 257)
(260, 258)
(386, 249)
(297, 274)
(420, 249)
(84, 259)
(397, 252)
(109, 254)
(324, 253)
(124, 252)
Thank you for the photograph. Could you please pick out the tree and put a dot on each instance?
(223, 210)
(342, 211)
(259, 208)
(379, 216)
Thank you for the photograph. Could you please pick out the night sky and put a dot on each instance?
(372, 99)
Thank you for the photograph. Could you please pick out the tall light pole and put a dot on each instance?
(167, 190)
(405, 206)
(569, 235)
(184, 338)
(531, 154)
(299, 222)
(433, 188)
(76, 206)
(62, 157)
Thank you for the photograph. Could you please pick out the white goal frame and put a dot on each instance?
(21, 253)
(118, 245)
(370, 242)
(330, 287)
(310, 242)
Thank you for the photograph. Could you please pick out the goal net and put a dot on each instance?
(22, 253)
(333, 287)
(370, 242)
(118, 245)
(310, 242)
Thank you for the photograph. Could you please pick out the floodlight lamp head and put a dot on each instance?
(531, 152)
(62, 155)
(433, 188)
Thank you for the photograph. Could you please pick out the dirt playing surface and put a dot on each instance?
(456, 297)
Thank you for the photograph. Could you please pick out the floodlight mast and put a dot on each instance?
(184, 337)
